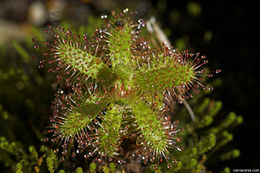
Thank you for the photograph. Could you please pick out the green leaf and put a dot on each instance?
(109, 136)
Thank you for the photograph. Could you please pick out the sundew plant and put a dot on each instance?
(113, 92)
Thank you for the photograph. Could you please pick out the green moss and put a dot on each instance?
(207, 143)
(112, 167)
(51, 161)
(225, 170)
(79, 170)
(19, 168)
(191, 164)
(24, 54)
(93, 167)
(230, 154)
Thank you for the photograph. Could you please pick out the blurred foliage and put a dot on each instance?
(26, 94)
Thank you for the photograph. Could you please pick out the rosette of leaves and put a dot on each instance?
(111, 90)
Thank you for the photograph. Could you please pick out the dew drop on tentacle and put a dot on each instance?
(73, 155)
(218, 71)
(125, 10)
(36, 46)
(34, 39)
(103, 16)
(62, 159)
(169, 166)
(210, 88)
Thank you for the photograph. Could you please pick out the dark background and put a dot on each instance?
(235, 49)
